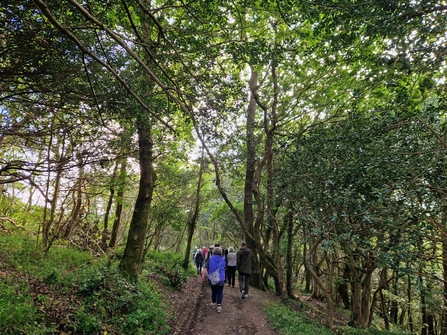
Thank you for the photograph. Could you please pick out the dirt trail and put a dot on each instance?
(194, 315)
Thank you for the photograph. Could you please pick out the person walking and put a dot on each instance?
(225, 252)
(198, 260)
(216, 262)
(194, 253)
(208, 256)
(244, 266)
(231, 267)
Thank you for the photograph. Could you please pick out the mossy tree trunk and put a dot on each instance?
(133, 253)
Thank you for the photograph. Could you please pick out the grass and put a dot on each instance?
(85, 295)
(289, 322)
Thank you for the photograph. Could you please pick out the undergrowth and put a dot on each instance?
(86, 295)
(290, 322)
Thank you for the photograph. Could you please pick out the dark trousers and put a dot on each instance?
(231, 275)
(244, 280)
(199, 268)
(217, 293)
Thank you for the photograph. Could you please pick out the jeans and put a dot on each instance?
(244, 280)
(217, 294)
(231, 272)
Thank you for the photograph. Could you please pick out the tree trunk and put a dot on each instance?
(249, 185)
(193, 218)
(57, 183)
(289, 261)
(119, 204)
(327, 290)
(410, 311)
(361, 291)
(133, 253)
(444, 274)
(394, 309)
(105, 229)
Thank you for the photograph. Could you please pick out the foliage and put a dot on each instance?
(17, 312)
(169, 267)
(102, 299)
(288, 321)
(127, 306)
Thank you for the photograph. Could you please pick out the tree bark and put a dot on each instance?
(133, 253)
(119, 205)
(444, 274)
(193, 218)
(105, 229)
(249, 184)
(289, 261)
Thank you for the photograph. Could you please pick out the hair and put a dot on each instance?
(217, 251)
(230, 249)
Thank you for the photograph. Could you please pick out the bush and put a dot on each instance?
(169, 267)
(129, 307)
(288, 322)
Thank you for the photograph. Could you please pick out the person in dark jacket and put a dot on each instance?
(244, 266)
(199, 261)
(216, 262)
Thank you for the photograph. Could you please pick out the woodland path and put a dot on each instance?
(194, 316)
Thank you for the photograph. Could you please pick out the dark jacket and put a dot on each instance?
(199, 258)
(244, 261)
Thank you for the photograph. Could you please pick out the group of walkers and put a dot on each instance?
(218, 266)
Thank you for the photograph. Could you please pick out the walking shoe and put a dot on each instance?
(246, 296)
(213, 305)
(219, 308)
(243, 294)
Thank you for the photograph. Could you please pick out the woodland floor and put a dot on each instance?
(189, 308)
(194, 316)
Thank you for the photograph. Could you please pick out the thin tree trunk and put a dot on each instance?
(105, 229)
(394, 309)
(193, 218)
(410, 312)
(289, 261)
(327, 290)
(444, 273)
(119, 205)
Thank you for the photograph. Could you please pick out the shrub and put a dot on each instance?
(130, 307)
(169, 267)
(288, 322)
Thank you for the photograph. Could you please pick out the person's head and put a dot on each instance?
(203, 247)
(217, 244)
(243, 245)
(195, 247)
(217, 251)
(230, 249)
(200, 251)
(211, 248)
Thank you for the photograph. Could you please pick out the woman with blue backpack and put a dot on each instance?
(214, 271)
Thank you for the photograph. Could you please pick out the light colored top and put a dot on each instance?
(231, 257)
